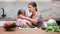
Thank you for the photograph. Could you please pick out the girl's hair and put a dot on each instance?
(33, 4)
(21, 11)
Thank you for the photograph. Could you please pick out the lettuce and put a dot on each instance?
(52, 26)
(51, 22)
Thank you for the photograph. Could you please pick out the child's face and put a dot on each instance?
(23, 13)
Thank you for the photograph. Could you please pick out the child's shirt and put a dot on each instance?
(21, 22)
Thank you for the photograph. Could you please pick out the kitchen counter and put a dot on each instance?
(3, 20)
(26, 31)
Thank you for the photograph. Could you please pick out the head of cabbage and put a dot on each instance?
(51, 22)
(52, 26)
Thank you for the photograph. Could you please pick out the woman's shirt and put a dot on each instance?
(39, 18)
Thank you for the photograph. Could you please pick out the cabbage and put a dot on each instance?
(49, 29)
(52, 29)
(51, 22)
(52, 26)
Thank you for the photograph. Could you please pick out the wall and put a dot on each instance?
(11, 8)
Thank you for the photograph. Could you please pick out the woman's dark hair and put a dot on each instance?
(21, 12)
(33, 4)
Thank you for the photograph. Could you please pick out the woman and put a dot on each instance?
(35, 19)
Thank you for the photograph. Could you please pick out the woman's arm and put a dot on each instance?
(32, 20)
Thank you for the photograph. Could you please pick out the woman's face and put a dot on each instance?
(31, 8)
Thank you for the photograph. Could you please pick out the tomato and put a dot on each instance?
(7, 24)
(13, 22)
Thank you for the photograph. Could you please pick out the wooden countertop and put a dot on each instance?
(26, 31)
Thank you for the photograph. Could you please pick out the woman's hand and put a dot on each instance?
(21, 16)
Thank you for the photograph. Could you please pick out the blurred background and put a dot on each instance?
(11, 7)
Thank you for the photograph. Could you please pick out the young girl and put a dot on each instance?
(21, 21)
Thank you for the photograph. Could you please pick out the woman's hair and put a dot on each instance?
(33, 4)
(21, 11)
